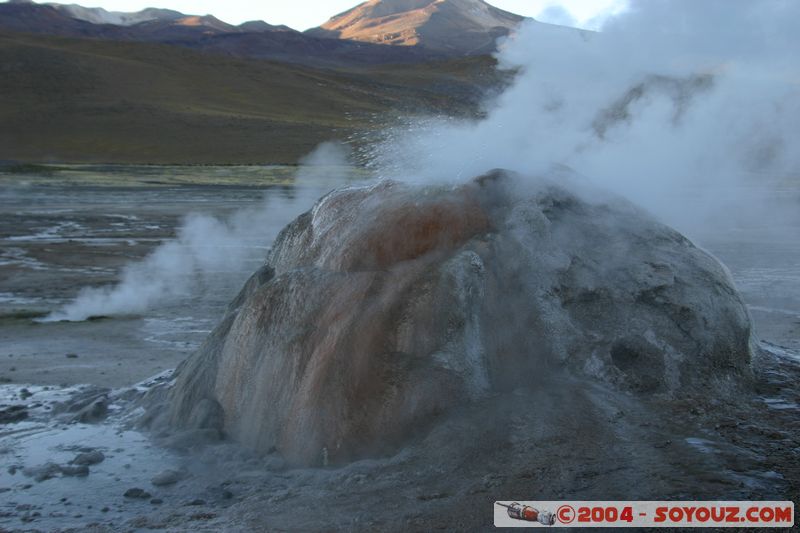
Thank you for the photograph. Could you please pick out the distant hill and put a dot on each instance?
(157, 17)
(84, 84)
(89, 100)
(25, 16)
(255, 39)
(425, 30)
(98, 15)
(450, 26)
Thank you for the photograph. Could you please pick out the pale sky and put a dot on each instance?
(304, 14)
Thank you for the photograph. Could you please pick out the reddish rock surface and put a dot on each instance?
(389, 305)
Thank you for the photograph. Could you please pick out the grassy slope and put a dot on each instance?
(75, 100)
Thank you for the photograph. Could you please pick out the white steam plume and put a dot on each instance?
(207, 248)
(686, 107)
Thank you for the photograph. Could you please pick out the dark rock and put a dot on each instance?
(43, 472)
(137, 494)
(156, 501)
(13, 413)
(434, 496)
(203, 516)
(72, 356)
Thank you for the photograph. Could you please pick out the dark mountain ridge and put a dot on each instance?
(255, 39)
(419, 30)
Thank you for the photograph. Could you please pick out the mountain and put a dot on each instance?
(23, 16)
(451, 26)
(187, 26)
(98, 15)
(159, 18)
(100, 101)
(255, 39)
(86, 85)
(148, 24)
(260, 25)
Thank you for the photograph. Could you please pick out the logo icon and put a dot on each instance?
(566, 514)
(517, 511)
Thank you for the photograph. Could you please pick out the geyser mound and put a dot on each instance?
(387, 305)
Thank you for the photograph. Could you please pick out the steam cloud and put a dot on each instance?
(687, 107)
(207, 248)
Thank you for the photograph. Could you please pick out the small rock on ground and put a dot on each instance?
(137, 493)
(89, 458)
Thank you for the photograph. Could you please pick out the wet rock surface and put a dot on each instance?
(92, 457)
(388, 306)
(137, 493)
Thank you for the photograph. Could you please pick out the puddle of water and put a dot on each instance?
(703, 445)
(780, 404)
(12, 299)
(781, 351)
(183, 333)
(62, 501)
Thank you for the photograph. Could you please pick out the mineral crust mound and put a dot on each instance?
(389, 305)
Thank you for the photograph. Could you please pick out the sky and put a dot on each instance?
(304, 14)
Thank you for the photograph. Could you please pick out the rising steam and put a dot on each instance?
(209, 250)
(688, 107)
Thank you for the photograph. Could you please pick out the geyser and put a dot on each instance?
(388, 305)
